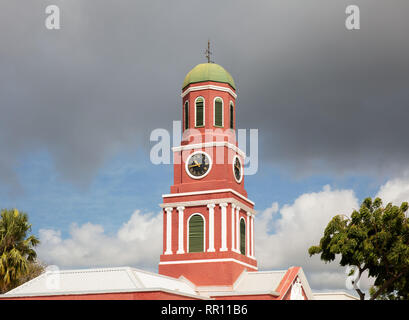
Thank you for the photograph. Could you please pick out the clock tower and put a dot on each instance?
(208, 220)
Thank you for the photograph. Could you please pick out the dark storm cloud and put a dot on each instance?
(324, 98)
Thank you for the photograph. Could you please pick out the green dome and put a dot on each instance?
(208, 72)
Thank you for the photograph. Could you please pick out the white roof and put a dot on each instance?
(334, 296)
(102, 280)
(263, 281)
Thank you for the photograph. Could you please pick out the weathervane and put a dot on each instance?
(208, 52)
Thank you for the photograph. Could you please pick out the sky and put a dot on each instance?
(77, 106)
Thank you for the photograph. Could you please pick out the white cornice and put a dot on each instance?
(209, 145)
(208, 260)
(206, 202)
(194, 193)
(209, 86)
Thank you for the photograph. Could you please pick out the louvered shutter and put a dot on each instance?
(218, 113)
(242, 237)
(186, 115)
(199, 113)
(196, 234)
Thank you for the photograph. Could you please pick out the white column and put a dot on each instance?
(180, 247)
(238, 229)
(248, 235)
(168, 230)
(233, 222)
(252, 236)
(223, 226)
(211, 227)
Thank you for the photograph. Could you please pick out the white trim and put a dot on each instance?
(204, 118)
(214, 112)
(204, 231)
(241, 169)
(209, 86)
(208, 170)
(208, 260)
(210, 144)
(252, 236)
(180, 247)
(223, 207)
(233, 215)
(168, 230)
(211, 227)
(248, 254)
(237, 221)
(170, 195)
(198, 203)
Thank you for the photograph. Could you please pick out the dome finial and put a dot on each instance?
(208, 52)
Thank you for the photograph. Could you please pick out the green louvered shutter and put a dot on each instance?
(242, 237)
(199, 113)
(231, 117)
(196, 233)
(186, 115)
(218, 112)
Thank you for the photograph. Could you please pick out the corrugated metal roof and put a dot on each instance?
(99, 280)
(259, 281)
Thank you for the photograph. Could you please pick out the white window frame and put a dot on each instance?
(204, 112)
(204, 232)
(214, 112)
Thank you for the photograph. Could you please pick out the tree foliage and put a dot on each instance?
(376, 239)
(17, 255)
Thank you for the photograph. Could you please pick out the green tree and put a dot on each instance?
(17, 255)
(376, 239)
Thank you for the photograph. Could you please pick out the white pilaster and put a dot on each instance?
(168, 230)
(238, 229)
(211, 227)
(223, 226)
(252, 236)
(180, 246)
(248, 235)
(233, 223)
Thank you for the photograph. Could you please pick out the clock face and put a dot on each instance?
(198, 165)
(237, 169)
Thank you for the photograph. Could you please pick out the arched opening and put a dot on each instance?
(186, 115)
(231, 115)
(242, 236)
(199, 112)
(218, 112)
(196, 233)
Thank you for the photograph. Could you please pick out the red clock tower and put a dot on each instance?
(208, 220)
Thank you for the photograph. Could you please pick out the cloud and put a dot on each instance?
(395, 190)
(137, 243)
(284, 234)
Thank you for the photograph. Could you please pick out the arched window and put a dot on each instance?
(196, 233)
(186, 115)
(199, 112)
(242, 236)
(218, 112)
(231, 115)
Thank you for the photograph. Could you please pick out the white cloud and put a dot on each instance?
(137, 243)
(298, 226)
(395, 190)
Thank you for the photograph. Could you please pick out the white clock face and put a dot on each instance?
(198, 165)
(237, 169)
